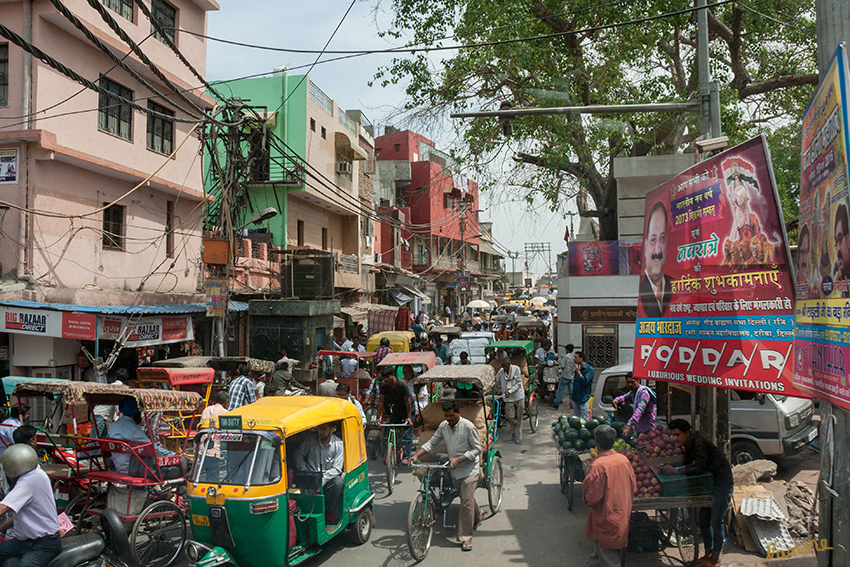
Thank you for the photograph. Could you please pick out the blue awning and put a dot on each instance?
(175, 309)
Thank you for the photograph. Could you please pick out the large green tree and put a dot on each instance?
(763, 55)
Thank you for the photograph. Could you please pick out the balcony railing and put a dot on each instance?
(346, 121)
(320, 98)
(421, 259)
(349, 264)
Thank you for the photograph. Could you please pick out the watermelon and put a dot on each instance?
(560, 437)
(575, 422)
(579, 445)
(566, 445)
(591, 443)
(571, 435)
(564, 421)
(591, 424)
(618, 426)
(558, 427)
(584, 434)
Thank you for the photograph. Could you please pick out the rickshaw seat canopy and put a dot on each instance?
(351, 353)
(149, 399)
(529, 322)
(528, 346)
(176, 376)
(71, 392)
(426, 358)
(481, 375)
(10, 382)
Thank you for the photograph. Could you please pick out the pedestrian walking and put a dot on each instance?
(510, 378)
(608, 490)
(566, 372)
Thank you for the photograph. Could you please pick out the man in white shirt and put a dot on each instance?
(463, 444)
(343, 392)
(31, 501)
(542, 355)
(17, 416)
(323, 452)
(510, 378)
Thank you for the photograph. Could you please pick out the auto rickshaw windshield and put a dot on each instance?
(237, 458)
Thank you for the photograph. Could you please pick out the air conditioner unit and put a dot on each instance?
(292, 177)
(368, 242)
(343, 167)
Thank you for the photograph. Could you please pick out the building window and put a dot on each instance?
(4, 74)
(398, 147)
(123, 7)
(166, 16)
(160, 130)
(300, 233)
(448, 201)
(260, 155)
(313, 124)
(113, 227)
(115, 117)
(169, 229)
(324, 239)
(324, 133)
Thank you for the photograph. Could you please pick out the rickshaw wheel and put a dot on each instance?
(421, 521)
(361, 528)
(494, 485)
(570, 483)
(533, 414)
(75, 507)
(391, 465)
(87, 522)
(158, 535)
(562, 465)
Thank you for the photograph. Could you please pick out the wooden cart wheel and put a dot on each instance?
(562, 465)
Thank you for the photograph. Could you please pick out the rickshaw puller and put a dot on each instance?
(37, 539)
(323, 453)
(395, 397)
(463, 444)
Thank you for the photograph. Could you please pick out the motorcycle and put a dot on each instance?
(95, 550)
(550, 379)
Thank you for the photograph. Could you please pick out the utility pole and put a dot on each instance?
(462, 260)
(513, 256)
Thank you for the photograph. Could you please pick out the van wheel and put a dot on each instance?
(745, 451)
(361, 529)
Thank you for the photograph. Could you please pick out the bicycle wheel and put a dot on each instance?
(533, 414)
(75, 508)
(665, 526)
(89, 519)
(571, 479)
(391, 456)
(494, 485)
(158, 535)
(685, 534)
(562, 465)
(421, 521)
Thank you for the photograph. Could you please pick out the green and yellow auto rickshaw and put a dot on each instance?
(251, 502)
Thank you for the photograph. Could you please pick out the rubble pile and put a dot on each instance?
(800, 499)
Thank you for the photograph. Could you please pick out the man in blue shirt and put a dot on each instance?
(241, 390)
(582, 386)
(442, 351)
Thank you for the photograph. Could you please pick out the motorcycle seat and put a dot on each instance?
(78, 549)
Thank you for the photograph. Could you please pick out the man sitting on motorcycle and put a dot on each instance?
(543, 355)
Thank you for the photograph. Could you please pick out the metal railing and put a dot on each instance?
(320, 98)
(347, 121)
(349, 264)
(421, 259)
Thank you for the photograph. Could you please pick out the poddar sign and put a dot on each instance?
(716, 297)
(822, 354)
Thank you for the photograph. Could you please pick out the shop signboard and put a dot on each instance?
(147, 331)
(216, 296)
(594, 258)
(8, 166)
(715, 305)
(47, 323)
(822, 353)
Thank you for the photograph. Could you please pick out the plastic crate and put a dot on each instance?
(685, 485)
(644, 534)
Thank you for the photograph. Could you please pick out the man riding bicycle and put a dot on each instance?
(395, 398)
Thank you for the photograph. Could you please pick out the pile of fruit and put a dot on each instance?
(651, 445)
(647, 484)
(658, 443)
(576, 433)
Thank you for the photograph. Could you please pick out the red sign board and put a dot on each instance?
(80, 326)
(594, 258)
(715, 303)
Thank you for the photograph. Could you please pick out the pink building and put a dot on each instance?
(96, 213)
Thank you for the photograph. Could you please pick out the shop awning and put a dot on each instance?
(175, 309)
(355, 314)
(400, 297)
(415, 292)
(344, 140)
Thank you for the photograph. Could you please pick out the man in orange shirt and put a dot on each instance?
(608, 491)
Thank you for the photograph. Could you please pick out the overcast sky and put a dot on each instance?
(308, 25)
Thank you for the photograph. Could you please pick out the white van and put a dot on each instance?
(763, 425)
(473, 342)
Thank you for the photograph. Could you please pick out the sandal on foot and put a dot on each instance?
(466, 546)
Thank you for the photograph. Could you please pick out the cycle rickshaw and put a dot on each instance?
(360, 379)
(436, 491)
(521, 354)
(251, 506)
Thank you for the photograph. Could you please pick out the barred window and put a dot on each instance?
(123, 7)
(166, 16)
(113, 116)
(160, 130)
(113, 227)
(4, 74)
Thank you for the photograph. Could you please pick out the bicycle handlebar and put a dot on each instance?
(393, 425)
(421, 466)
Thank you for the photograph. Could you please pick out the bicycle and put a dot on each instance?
(422, 515)
(391, 452)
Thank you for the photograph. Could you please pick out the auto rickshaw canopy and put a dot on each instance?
(425, 358)
(399, 340)
(481, 375)
(529, 322)
(526, 345)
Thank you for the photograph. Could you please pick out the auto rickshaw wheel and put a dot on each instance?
(494, 485)
(421, 521)
(361, 529)
(158, 534)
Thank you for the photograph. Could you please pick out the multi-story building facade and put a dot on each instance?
(97, 212)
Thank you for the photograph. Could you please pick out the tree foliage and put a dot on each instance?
(766, 68)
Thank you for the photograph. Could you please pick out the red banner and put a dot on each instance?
(716, 297)
(80, 326)
(594, 258)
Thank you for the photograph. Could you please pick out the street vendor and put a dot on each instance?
(640, 401)
(701, 456)
(463, 445)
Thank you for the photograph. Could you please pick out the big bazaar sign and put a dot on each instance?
(44, 323)
(147, 331)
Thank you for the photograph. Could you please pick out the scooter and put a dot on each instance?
(550, 379)
(96, 550)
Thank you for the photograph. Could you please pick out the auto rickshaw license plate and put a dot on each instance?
(200, 520)
(227, 436)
